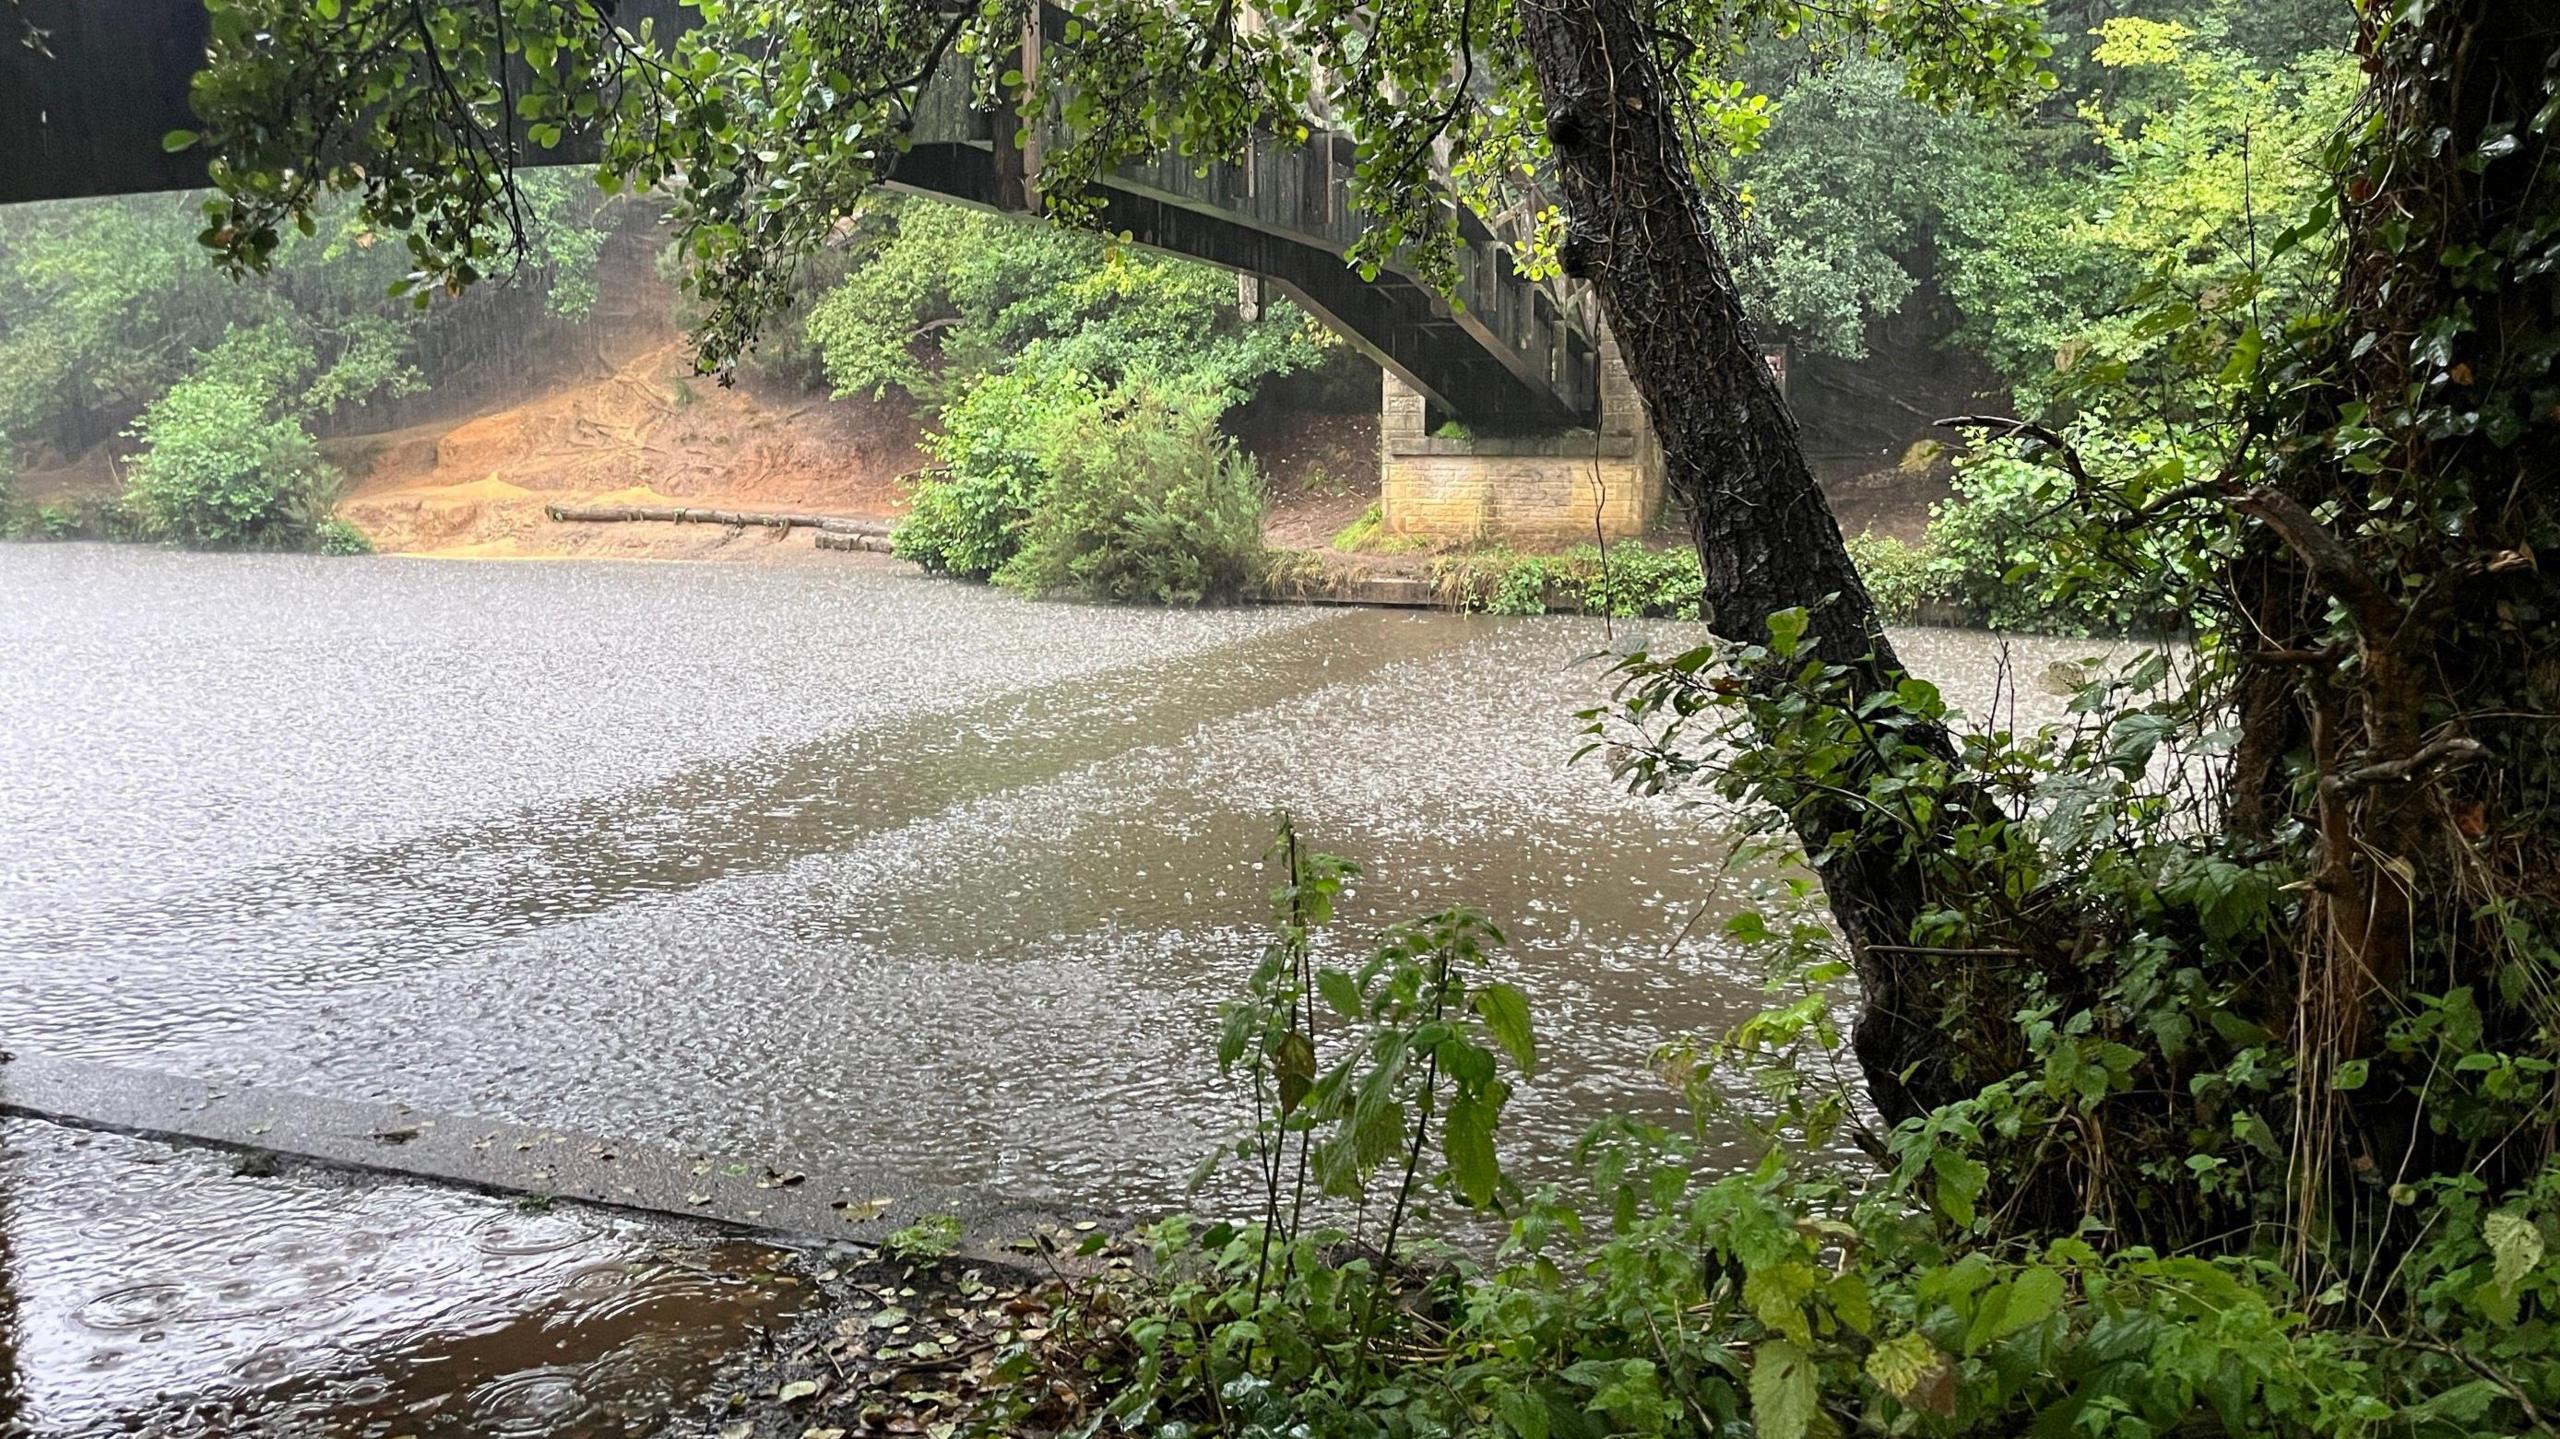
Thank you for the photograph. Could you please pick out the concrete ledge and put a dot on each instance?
(1611, 447)
(1397, 592)
(744, 1193)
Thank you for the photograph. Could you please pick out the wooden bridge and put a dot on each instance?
(86, 117)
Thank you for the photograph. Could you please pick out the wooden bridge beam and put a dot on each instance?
(86, 117)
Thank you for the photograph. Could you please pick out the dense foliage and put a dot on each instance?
(1145, 502)
(1050, 484)
(225, 460)
(106, 323)
(1044, 354)
(1624, 580)
(946, 296)
(2099, 290)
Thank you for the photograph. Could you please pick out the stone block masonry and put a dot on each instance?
(1536, 491)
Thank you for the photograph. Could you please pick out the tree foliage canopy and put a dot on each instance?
(104, 305)
(777, 117)
(947, 295)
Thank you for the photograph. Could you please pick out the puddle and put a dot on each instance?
(148, 1289)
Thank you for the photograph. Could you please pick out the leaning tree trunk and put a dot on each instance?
(1638, 229)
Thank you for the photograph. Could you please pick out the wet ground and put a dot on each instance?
(156, 1290)
(846, 867)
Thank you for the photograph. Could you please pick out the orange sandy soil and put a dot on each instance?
(648, 433)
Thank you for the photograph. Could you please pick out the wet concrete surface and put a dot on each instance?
(630, 1171)
(155, 1290)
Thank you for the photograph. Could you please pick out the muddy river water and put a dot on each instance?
(840, 864)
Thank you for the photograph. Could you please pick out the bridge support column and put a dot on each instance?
(1448, 481)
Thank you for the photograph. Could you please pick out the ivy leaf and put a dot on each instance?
(2515, 1247)
(1506, 1014)
(1782, 1391)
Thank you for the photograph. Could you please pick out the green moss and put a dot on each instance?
(1361, 533)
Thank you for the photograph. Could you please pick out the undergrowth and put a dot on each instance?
(1625, 580)
(2095, 1241)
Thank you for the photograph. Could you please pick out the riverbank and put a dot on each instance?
(253, 1290)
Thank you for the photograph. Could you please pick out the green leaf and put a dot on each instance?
(2515, 1247)
(1506, 1014)
(1786, 631)
(177, 140)
(1960, 1180)
(1783, 1391)
(1526, 1412)
(1339, 991)
(1915, 1373)
(2033, 1297)
(1467, 1140)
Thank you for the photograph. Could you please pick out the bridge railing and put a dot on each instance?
(1301, 193)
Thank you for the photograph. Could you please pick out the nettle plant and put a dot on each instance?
(2089, 1230)
(1375, 1094)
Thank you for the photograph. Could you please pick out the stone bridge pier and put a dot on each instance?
(1442, 480)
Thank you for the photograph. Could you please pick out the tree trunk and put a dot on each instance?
(2435, 802)
(1766, 539)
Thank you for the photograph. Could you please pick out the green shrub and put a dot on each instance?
(2019, 546)
(335, 536)
(993, 444)
(79, 517)
(1145, 503)
(1625, 580)
(1636, 581)
(1900, 577)
(217, 468)
(1521, 587)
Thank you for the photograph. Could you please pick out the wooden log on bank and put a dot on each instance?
(688, 515)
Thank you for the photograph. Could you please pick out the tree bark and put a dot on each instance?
(1638, 228)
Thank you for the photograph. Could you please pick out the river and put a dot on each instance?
(837, 864)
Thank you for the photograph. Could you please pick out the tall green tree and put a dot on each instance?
(103, 305)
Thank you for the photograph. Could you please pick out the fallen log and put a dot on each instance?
(839, 540)
(688, 515)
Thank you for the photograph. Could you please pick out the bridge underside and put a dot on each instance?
(87, 119)
(1397, 322)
